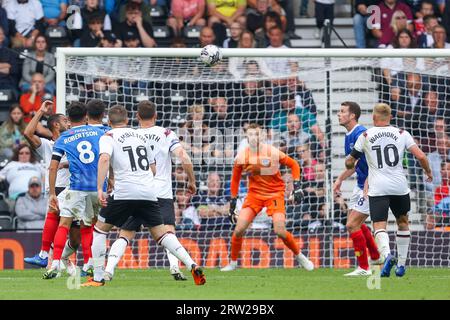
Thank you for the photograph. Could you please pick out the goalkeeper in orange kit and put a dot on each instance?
(266, 190)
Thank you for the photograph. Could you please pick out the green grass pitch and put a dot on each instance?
(248, 284)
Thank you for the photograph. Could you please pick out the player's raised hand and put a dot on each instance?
(232, 214)
(337, 186)
(298, 194)
(46, 106)
(429, 176)
(101, 198)
(53, 202)
(192, 188)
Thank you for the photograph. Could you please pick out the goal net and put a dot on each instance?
(295, 96)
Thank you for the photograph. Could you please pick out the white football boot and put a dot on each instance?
(232, 266)
(359, 272)
(305, 262)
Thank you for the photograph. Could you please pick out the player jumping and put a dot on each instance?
(384, 147)
(361, 235)
(80, 145)
(266, 189)
(129, 152)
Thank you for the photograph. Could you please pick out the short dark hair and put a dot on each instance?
(53, 120)
(96, 109)
(353, 107)
(429, 17)
(76, 111)
(117, 114)
(146, 110)
(131, 6)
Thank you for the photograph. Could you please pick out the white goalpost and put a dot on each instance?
(295, 94)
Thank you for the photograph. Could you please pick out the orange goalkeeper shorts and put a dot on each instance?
(273, 205)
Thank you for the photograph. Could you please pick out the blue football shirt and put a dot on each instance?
(362, 170)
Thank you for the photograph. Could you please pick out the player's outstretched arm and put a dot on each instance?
(234, 189)
(342, 177)
(103, 168)
(421, 156)
(52, 171)
(186, 163)
(31, 128)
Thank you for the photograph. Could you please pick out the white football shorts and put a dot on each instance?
(358, 202)
(80, 205)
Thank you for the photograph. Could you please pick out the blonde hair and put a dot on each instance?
(196, 108)
(393, 24)
(382, 110)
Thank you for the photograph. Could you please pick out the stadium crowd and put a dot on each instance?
(285, 106)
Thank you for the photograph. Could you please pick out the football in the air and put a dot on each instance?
(211, 55)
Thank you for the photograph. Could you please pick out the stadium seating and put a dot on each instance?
(6, 223)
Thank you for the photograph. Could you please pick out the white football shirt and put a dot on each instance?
(163, 141)
(384, 148)
(45, 150)
(131, 157)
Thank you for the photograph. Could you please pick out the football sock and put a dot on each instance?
(48, 233)
(86, 243)
(173, 261)
(359, 244)
(99, 253)
(382, 241)
(170, 242)
(370, 242)
(403, 238)
(115, 254)
(59, 242)
(236, 245)
(290, 243)
(68, 250)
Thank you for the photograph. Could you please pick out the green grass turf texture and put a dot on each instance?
(248, 284)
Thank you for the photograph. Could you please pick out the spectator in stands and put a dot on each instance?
(55, 12)
(294, 136)
(212, 203)
(186, 215)
(426, 9)
(406, 99)
(131, 40)
(31, 207)
(92, 36)
(297, 86)
(360, 21)
(8, 67)
(258, 10)
(383, 30)
(186, 13)
(425, 115)
(235, 36)
(307, 162)
(143, 6)
(446, 19)
(270, 20)
(31, 101)
(81, 19)
(442, 154)
(425, 39)
(440, 214)
(324, 9)
(11, 132)
(44, 59)
(194, 135)
(279, 66)
(135, 25)
(207, 37)
(26, 21)
(226, 12)
(440, 38)
(220, 118)
(314, 191)
(4, 26)
(20, 170)
(110, 40)
(288, 105)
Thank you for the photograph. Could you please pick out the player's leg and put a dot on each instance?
(170, 242)
(400, 206)
(168, 213)
(89, 218)
(71, 247)
(355, 220)
(117, 250)
(58, 243)
(279, 227)
(245, 218)
(379, 209)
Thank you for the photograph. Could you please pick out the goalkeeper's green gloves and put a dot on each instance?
(297, 194)
(232, 214)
